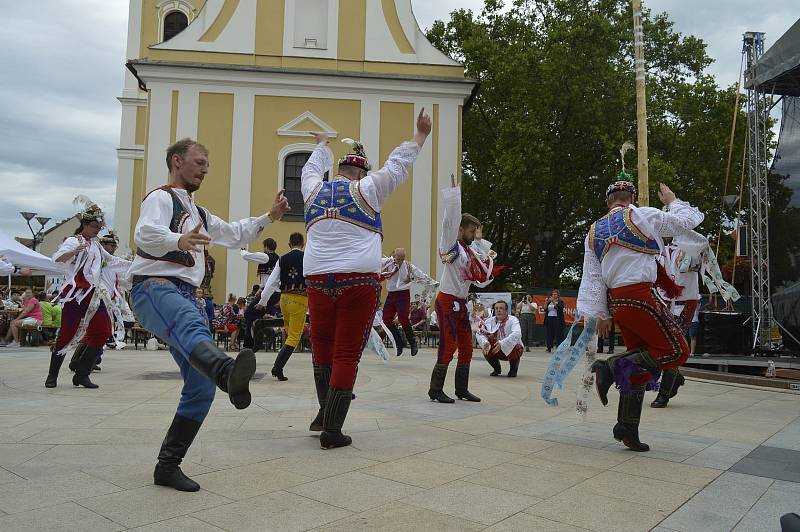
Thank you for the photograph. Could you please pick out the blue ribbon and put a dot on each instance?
(566, 358)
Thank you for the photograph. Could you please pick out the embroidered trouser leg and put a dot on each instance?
(454, 329)
(342, 307)
(168, 310)
(646, 324)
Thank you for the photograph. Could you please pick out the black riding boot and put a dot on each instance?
(512, 372)
(322, 374)
(671, 380)
(337, 403)
(412, 342)
(84, 367)
(629, 414)
(52, 374)
(604, 370)
(436, 392)
(179, 437)
(397, 337)
(495, 366)
(462, 383)
(76, 356)
(231, 376)
(280, 361)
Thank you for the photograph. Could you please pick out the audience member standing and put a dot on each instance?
(554, 320)
(526, 312)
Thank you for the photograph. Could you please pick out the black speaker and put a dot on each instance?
(723, 333)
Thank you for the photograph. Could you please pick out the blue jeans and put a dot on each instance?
(167, 308)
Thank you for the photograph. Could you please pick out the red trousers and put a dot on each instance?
(687, 314)
(96, 334)
(397, 304)
(454, 329)
(341, 309)
(645, 322)
(515, 354)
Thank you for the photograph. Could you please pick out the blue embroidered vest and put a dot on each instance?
(617, 228)
(341, 199)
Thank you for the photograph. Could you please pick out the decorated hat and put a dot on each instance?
(357, 157)
(88, 211)
(622, 184)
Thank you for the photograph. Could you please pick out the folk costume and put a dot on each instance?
(619, 274)
(85, 300)
(508, 334)
(287, 276)
(465, 264)
(165, 279)
(399, 278)
(266, 263)
(342, 265)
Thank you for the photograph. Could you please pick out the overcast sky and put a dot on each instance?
(62, 66)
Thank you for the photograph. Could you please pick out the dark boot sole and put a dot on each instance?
(244, 367)
(471, 398)
(180, 484)
(85, 383)
(333, 441)
(50, 384)
(659, 404)
(628, 442)
(444, 399)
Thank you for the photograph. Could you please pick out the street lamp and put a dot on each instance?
(37, 235)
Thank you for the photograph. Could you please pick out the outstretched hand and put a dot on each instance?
(666, 195)
(194, 240)
(320, 137)
(279, 207)
(424, 127)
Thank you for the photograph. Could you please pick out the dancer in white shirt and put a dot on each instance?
(468, 260)
(171, 234)
(400, 274)
(342, 265)
(500, 338)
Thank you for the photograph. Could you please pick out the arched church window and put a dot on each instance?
(292, 171)
(174, 23)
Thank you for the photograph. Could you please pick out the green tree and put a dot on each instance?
(556, 102)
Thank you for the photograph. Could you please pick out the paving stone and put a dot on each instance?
(523, 522)
(419, 472)
(470, 501)
(278, 511)
(510, 443)
(67, 516)
(12, 454)
(665, 497)
(668, 471)
(24, 495)
(184, 523)
(469, 455)
(781, 498)
(721, 455)
(354, 491)
(399, 517)
(582, 456)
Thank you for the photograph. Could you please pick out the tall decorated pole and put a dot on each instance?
(641, 104)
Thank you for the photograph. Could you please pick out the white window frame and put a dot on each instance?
(169, 6)
(291, 149)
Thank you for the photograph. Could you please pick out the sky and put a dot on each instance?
(63, 70)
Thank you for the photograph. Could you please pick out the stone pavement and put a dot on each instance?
(723, 457)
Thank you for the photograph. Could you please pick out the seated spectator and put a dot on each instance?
(228, 320)
(51, 316)
(13, 301)
(433, 324)
(418, 318)
(30, 315)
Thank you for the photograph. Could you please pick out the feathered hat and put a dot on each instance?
(623, 182)
(88, 211)
(357, 156)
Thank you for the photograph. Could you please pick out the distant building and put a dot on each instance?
(53, 237)
(250, 78)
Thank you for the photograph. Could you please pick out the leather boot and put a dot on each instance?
(179, 437)
(514, 367)
(397, 337)
(436, 392)
(230, 376)
(52, 374)
(604, 372)
(280, 361)
(671, 380)
(412, 342)
(337, 403)
(84, 367)
(322, 375)
(629, 414)
(76, 356)
(462, 383)
(495, 366)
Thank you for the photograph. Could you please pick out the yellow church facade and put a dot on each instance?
(251, 78)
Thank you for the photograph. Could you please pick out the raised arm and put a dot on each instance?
(70, 248)
(237, 234)
(680, 218)
(114, 263)
(421, 277)
(254, 256)
(321, 161)
(592, 299)
(271, 285)
(395, 170)
(451, 200)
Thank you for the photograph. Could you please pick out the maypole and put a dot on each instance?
(641, 104)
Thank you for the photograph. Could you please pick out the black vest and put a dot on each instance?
(267, 267)
(179, 217)
(292, 279)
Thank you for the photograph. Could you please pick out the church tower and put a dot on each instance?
(250, 78)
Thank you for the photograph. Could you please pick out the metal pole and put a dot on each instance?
(641, 104)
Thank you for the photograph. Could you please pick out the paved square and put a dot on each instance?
(724, 457)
